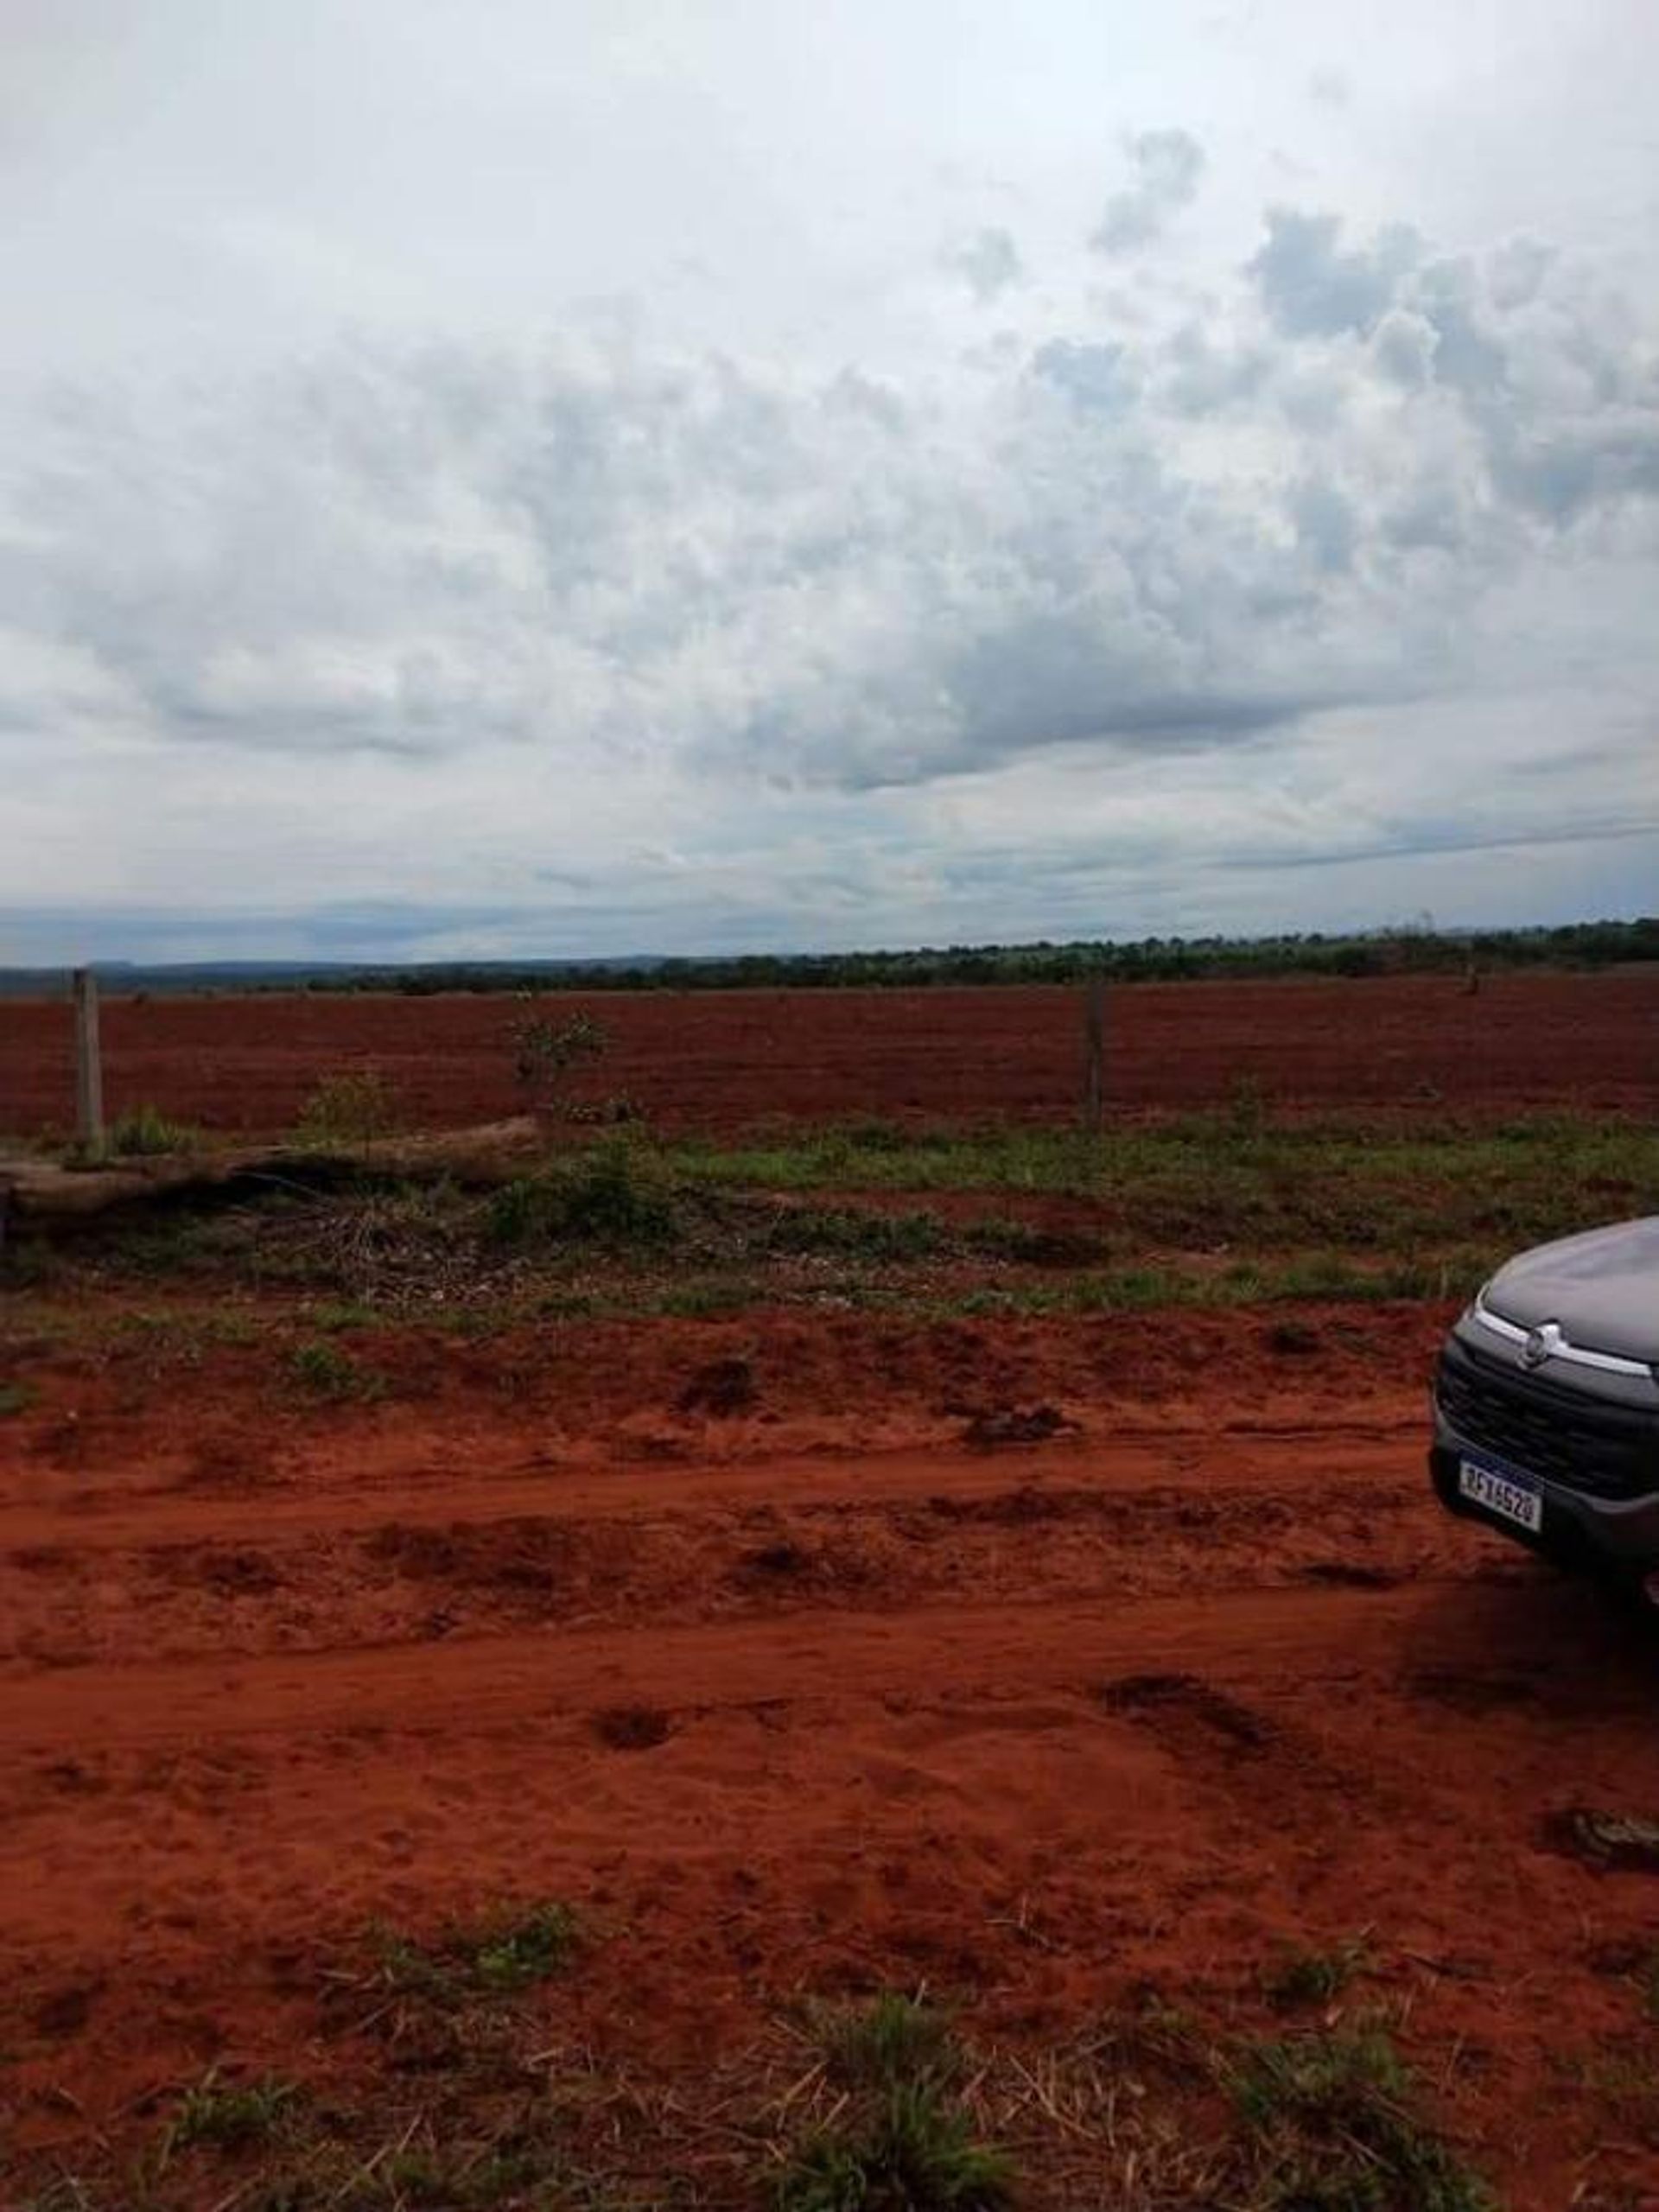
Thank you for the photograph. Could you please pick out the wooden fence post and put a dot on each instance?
(1093, 1053)
(89, 1066)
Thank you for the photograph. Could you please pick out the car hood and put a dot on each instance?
(1602, 1289)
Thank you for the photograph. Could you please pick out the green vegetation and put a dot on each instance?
(497, 1956)
(229, 2115)
(914, 2152)
(1334, 2130)
(143, 1131)
(900, 2137)
(1420, 949)
(16, 1398)
(885, 2043)
(1191, 1180)
(1302, 1977)
(352, 1106)
(325, 1371)
(544, 1053)
(608, 1196)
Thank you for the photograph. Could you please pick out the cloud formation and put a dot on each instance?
(422, 566)
(988, 263)
(1168, 165)
(621, 555)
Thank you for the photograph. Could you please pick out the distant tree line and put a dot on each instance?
(1416, 949)
(1154, 959)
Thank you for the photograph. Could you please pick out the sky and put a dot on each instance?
(673, 475)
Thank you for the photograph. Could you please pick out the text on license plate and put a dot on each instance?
(1514, 1501)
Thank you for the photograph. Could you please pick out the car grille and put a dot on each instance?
(1604, 1451)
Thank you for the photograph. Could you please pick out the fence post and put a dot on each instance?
(1094, 1055)
(89, 1066)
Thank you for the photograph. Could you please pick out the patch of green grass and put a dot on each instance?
(333, 1314)
(710, 1297)
(498, 1956)
(609, 1196)
(145, 1132)
(1306, 1977)
(849, 1232)
(1239, 1178)
(16, 1398)
(1334, 2129)
(187, 1331)
(899, 2135)
(230, 2116)
(915, 2152)
(325, 1371)
(892, 2039)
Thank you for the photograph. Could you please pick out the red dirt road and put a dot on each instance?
(720, 1061)
(1032, 1726)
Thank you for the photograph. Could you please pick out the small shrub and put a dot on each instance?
(602, 1198)
(544, 1053)
(144, 1132)
(326, 1371)
(16, 1398)
(230, 2115)
(915, 2152)
(353, 1107)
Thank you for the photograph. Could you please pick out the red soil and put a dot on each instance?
(1206, 1672)
(717, 1061)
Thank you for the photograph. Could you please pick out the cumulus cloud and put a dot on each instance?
(579, 591)
(1168, 165)
(988, 263)
(1312, 287)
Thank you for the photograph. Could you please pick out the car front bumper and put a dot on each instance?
(1579, 1531)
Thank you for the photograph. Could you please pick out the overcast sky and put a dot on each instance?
(560, 478)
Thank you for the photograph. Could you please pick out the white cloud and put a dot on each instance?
(787, 587)
(1168, 165)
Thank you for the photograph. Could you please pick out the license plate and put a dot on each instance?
(1500, 1494)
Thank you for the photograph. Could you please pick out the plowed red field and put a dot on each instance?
(718, 1061)
(1038, 1728)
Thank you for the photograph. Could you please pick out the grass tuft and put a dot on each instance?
(891, 2040)
(231, 2116)
(605, 1197)
(1304, 1977)
(1335, 2130)
(914, 2152)
(325, 1371)
(145, 1132)
(497, 1956)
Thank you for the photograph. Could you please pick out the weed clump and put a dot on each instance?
(144, 1132)
(900, 2137)
(323, 1370)
(1306, 1976)
(498, 1956)
(230, 2116)
(605, 1197)
(353, 1107)
(1335, 2130)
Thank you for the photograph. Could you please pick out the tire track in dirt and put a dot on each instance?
(427, 1495)
(493, 1681)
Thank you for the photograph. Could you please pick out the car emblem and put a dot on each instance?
(1540, 1343)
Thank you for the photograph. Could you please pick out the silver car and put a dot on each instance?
(1547, 1402)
